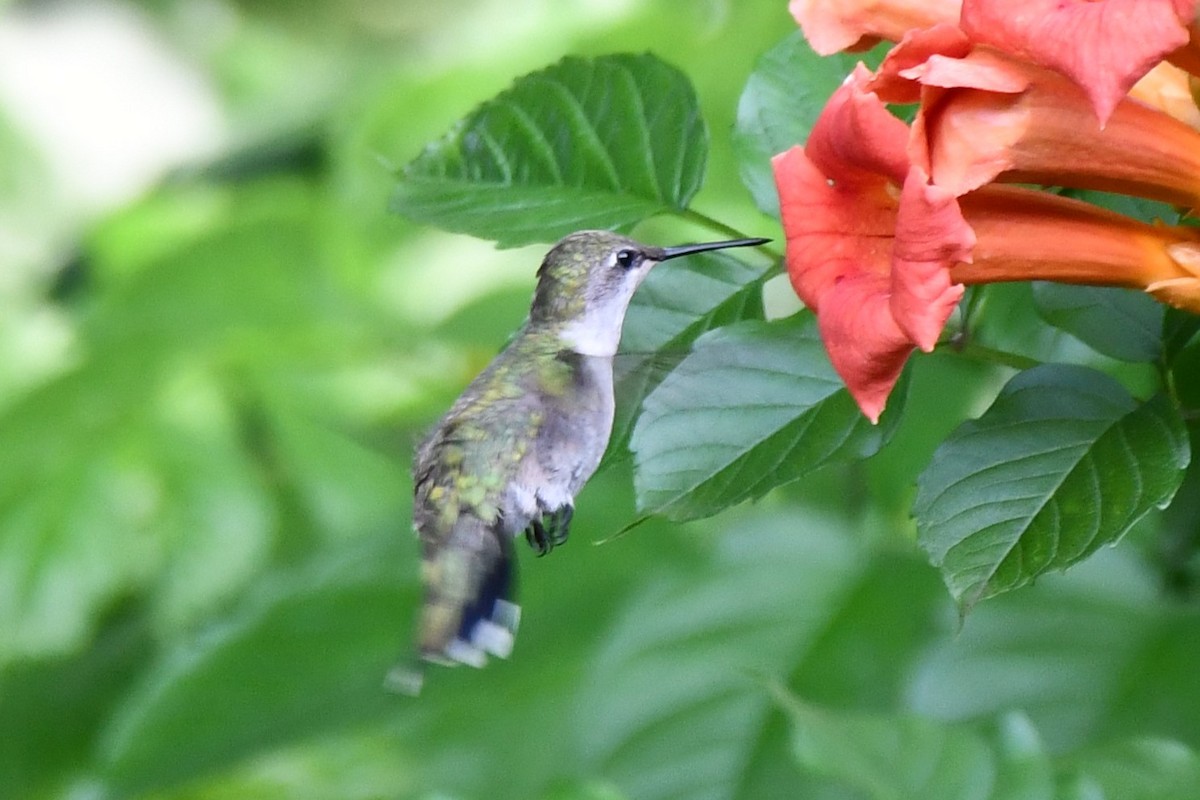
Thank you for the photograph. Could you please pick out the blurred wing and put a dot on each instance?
(470, 585)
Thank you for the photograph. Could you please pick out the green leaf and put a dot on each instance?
(304, 652)
(351, 765)
(1120, 323)
(77, 505)
(1063, 462)
(1179, 330)
(1146, 769)
(1181, 343)
(894, 757)
(137, 454)
(678, 301)
(585, 143)
(1024, 769)
(345, 489)
(1140, 208)
(782, 99)
(580, 790)
(219, 519)
(254, 291)
(673, 705)
(1004, 317)
(755, 405)
(1185, 374)
(50, 708)
(1091, 655)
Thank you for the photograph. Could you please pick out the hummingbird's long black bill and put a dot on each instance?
(688, 249)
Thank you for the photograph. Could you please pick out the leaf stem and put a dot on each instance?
(981, 352)
(705, 221)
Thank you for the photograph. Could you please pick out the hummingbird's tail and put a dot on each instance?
(470, 584)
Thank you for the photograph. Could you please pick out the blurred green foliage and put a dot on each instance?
(208, 401)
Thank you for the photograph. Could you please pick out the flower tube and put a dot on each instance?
(881, 254)
(986, 116)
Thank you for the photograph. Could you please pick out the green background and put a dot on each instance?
(210, 390)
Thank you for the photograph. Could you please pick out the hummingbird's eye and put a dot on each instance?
(627, 259)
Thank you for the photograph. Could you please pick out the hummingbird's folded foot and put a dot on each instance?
(538, 538)
(560, 524)
(550, 530)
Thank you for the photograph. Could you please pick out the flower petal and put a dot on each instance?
(838, 193)
(971, 136)
(839, 245)
(1167, 88)
(833, 25)
(898, 79)
(831, 234)
(1184, 291)
(931, 235)
(875, 271)
(865, 345)
(856, 139)
(1104, 46)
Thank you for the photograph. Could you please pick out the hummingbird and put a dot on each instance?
(510, 455)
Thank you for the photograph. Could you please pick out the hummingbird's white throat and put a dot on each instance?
(598, 331)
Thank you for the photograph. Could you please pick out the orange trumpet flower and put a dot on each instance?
(880, 252)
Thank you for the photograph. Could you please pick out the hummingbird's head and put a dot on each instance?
(586, 281)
